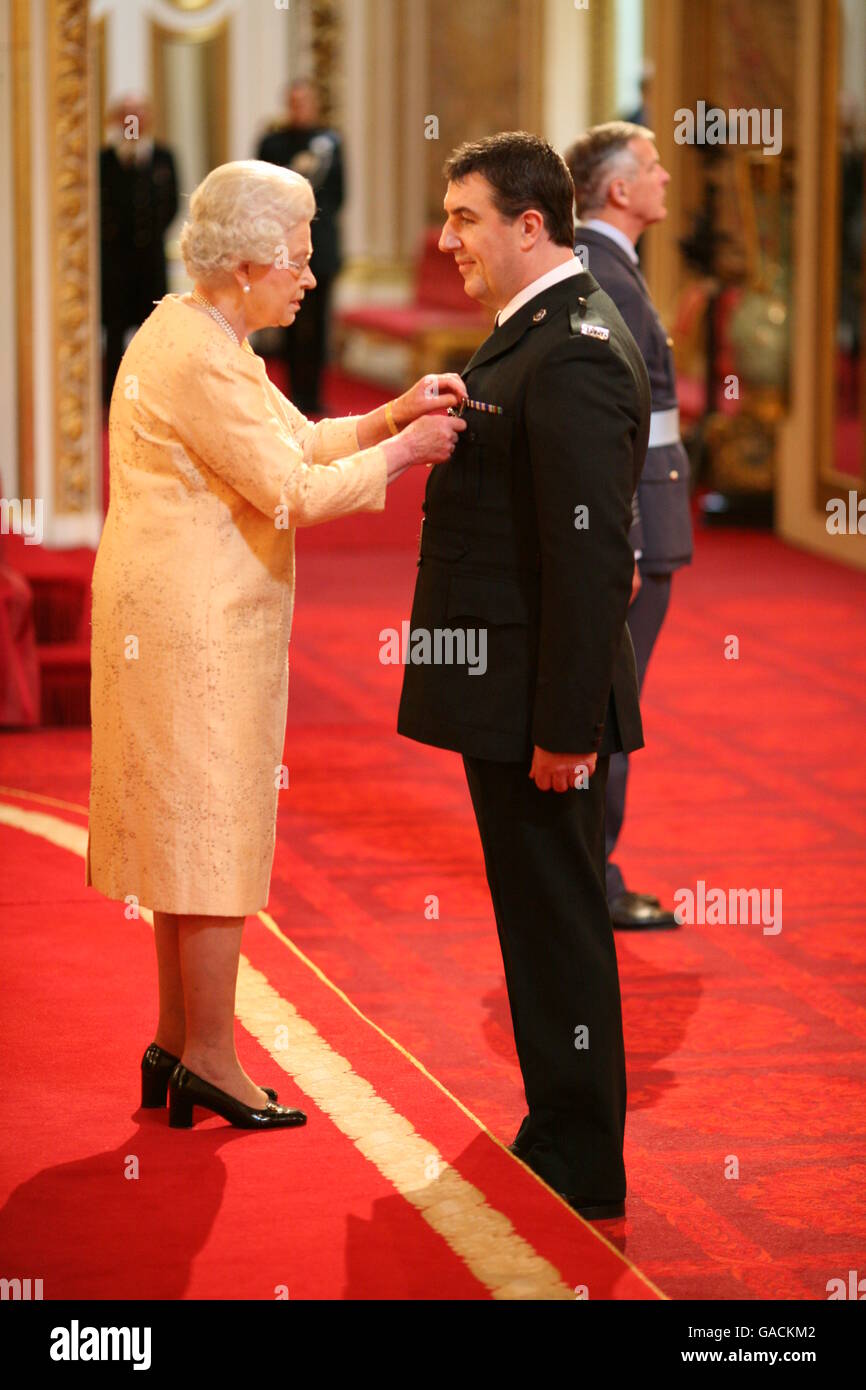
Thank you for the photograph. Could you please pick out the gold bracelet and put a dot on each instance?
(389, 418)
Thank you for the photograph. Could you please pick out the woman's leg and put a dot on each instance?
(170, 1030)
(209, 948)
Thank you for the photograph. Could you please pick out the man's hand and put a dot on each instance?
(560, 772)
(635, 584)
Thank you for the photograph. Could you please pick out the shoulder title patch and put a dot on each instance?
(594, 330)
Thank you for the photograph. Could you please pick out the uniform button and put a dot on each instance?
(674, 473)
(670, 342)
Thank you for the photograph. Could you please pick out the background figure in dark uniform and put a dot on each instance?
(316, 152)
(525, 541)
(642, 114)
(620, 187)
(138, 201)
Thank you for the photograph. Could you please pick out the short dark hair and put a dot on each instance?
(524, 172)
(597, 156)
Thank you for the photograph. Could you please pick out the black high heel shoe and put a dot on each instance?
(157, 1066)
(186, 1090)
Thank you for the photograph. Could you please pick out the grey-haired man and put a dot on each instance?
(620, 191)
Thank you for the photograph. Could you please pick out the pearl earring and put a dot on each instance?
(246, 289)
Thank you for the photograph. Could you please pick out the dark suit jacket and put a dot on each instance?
(664, 531)
(283, 146)
(500, 549)
(137, 204)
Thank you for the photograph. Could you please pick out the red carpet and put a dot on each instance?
(103, 1200)
(745, 1049)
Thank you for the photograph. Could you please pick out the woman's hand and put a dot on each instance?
(430, 393)
(432, 439)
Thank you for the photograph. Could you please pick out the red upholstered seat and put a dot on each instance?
(65, 672)
(438, 282)
(405, 321)
(439, 320)
(59, 585)
(19, 664)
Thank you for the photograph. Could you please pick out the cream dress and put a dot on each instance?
(212, 468)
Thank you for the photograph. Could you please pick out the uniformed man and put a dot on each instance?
(620, 187)
(315, 150)
(138, 202)
(525, 543)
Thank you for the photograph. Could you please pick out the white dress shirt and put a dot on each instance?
(551, 277)
(598, 224)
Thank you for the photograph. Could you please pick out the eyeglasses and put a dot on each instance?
(300, 266)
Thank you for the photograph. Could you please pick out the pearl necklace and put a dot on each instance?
(216, 314)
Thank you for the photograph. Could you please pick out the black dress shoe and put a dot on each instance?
(589, 1209)
(186, 1090)
(523, 1139)
(637, 912)
(595, 1211)
(157, 1066)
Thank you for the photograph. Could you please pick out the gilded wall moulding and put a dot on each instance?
(73, 262)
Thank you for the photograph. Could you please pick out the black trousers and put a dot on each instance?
(306, 345)
(645, 618)
(544, 856)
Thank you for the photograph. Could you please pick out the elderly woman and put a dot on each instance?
(212, 469)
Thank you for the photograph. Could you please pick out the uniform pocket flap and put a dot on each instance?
(661, 463)
(491, 600)
(488, 429)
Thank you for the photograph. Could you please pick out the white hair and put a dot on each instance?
(243, 211)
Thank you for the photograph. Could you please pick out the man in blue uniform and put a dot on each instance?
(620, 191)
